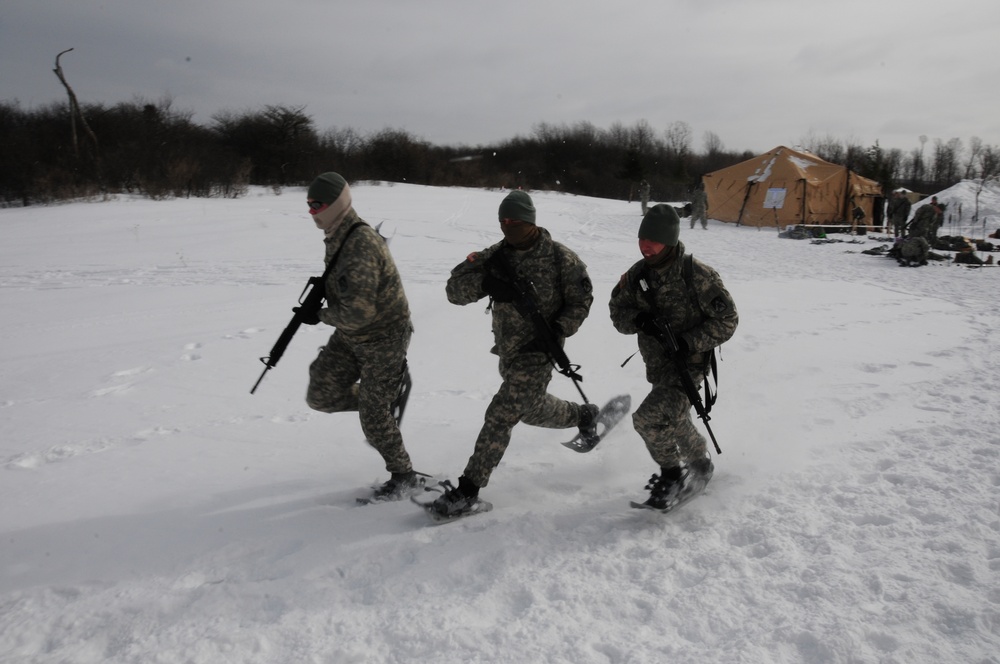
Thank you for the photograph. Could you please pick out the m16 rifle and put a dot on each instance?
(527, 307)
(665, 335)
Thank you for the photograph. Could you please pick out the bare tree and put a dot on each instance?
(74, 111)
(678, 135)
(713, 144)
(975, 147)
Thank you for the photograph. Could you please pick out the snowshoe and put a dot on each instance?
(399, 486)
(452, 504)
(594, 430)
(676, 486)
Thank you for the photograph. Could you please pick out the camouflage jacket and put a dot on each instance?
(922, 222)
(899, 209)
(364, 294)
(704, 319)
(562, 289)
(699, 202)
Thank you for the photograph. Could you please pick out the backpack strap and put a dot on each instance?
(333, 259)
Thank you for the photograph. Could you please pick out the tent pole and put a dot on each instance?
(743, 207)
(805, 191)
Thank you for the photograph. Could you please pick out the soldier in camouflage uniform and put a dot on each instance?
(899, 212)
(702, 317)
(563, 294)
(362, 366)
(915, 247)
(699, 206)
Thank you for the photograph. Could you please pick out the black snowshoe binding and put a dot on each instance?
(399, 486)
(676, 486)
(596, 423)
(452, 504)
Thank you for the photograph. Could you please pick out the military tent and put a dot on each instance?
(786, 187)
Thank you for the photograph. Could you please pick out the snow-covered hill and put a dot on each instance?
(152, 510)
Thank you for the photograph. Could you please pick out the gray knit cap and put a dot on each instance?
(326, 187)
(661, 224)
(517, 206)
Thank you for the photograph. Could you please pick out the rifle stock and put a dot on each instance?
(669, 342)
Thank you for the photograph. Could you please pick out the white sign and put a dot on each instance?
(775, 199)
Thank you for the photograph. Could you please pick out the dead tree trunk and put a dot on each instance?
(74, 113)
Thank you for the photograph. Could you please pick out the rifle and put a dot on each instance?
(528, 308)
(668, 340)
(310, 302)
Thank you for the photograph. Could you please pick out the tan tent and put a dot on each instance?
(785, 187)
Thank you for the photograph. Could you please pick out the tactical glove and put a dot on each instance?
(307, 317)
(498, 289)
(645, 322)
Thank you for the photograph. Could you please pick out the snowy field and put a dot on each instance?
(153, 511)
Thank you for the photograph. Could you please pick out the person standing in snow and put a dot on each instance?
(363, 366)
(644, 195)
(899, 212)
(563, 294)
(702, 315)
(699, 206)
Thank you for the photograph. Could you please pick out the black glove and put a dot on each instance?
(498, 289)
(682, 346)
(308, 317)
(644, 322)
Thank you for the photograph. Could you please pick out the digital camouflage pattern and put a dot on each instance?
(364, 293)
(563, 293)
(915, 248)
(367, 305)
(699, 208)
(704, 321)
(899, 212)
(334, 387)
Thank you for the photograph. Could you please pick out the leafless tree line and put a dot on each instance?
(149, 148)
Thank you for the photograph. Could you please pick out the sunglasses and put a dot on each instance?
(317, 205)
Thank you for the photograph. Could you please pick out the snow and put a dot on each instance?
(152, 510)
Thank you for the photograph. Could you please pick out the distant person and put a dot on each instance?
(916, 245)
(644, 195)
(702, 315)
(857, 219)
(938, 209)
(363, 365)
(899, 212)
(563, 294)
(699, 206)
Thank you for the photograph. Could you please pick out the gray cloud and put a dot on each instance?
(450, 71)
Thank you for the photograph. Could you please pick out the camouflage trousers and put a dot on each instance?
(522, 397)
(663, 421)
(364, 377)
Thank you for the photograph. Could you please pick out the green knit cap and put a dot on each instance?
(326, 187)
(517, 206)
(661, 224)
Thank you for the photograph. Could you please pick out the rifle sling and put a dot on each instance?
(333, 259)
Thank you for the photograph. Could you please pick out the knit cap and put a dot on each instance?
(517, 205)
(661, 224)
(327, 187)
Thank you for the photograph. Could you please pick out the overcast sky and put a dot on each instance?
(757, 73)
